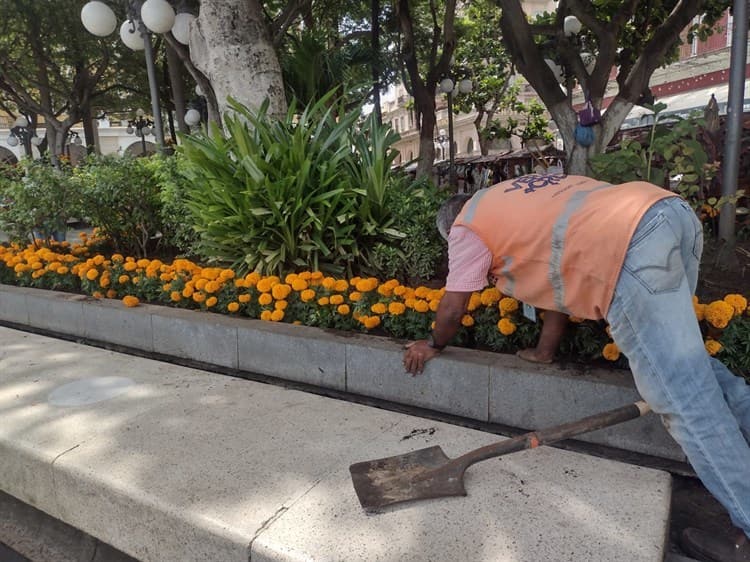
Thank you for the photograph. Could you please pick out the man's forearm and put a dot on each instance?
(448, 317)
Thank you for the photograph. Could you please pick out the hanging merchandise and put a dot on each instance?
(589, 115)
(584, 135)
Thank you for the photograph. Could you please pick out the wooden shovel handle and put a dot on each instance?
(534, 439)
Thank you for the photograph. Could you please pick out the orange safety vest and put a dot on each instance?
(558, 242)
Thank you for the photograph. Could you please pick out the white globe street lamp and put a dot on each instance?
(192, 117)
(98, 19)
(571, 26)
(181, 27)
(131, 37)
(158, 15)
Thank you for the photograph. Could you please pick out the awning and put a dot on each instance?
(684, 103)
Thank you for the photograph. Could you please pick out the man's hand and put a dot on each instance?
(416, 355)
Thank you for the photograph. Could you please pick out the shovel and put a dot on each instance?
(429, 473)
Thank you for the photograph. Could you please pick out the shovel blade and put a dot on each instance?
(426, 473)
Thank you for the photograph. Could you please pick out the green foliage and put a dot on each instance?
(176, 219)
(534, 123)
(120, 196)
(735, 340)
(308, 190)
(415, 257)
(37, 200)
(671, 150)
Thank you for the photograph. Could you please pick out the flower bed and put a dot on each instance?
(493, 321)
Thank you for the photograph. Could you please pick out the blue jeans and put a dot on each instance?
(702, 404)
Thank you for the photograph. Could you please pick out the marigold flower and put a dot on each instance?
(467, 320)
(378, 308)
(719, 313)
(385, 290)
(187, 292)
(104, 281)
(130, 301)
(62, 270)
(175, 296)
(323, 301)
(266, 284)
(371, 322)
(421, 305)
(508, 305)
(299, 285)
(166, 287)
(211, 301)
(211, 287)
(341, 285)
(130, 266)
(135, 280)
(343, 309)
(396, 308)
(434, 304)
(265, 299)
(700, 311)
(233, 306)
(329, 283)
(252, 279)
(92, 274)
(265, 315)
(506, 326)
(111, 294)
(738, 302)
(307, 295)
(400, 290)
(280, 291)
(122, 279)
(281, 305)
(117, 258)
(354, 296)
(305, 275)
(244, 298)
(611, 352)
(474, 301)
(199, 297)
(713, 347)
(490, 296)
(336, 299)
(277, 315)
(363, 285)
(226, 274)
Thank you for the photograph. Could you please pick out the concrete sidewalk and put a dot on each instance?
(169, 463)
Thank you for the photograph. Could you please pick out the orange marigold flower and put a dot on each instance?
(341, 285)
(104, 281)
(277, 315)
(281, 305)
(92, 274)
(97, 295)
(265, 299)
(337, 299)
(719, 313)
(475, 300)
(713, 347)
(372, 322)
(467, 320)
(290, 277)
(299, 285)
(122, 279)
(400, 290)
(700, 311)
(211, 301)
(233, 306)
(421, 305)
(111, 294)
(307, 295)
(434, 304)
(211, 287)
(199, 297)
(265, 315)
(130, 301)
(738, 302)
(506, 326)
(175, 296)
(611, 352)
(396, 308)
(187, 292)
(343, 309)
(508, 305)
(354, 296)
(266, 284)
(378, 308)
(244, 299)
(130, 266)
(323, 301)
(329, 283)
(280, 291)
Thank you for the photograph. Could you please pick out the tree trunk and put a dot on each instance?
(231, 44)
(178, 92)
(426, 137)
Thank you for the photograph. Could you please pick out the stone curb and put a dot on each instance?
(484, 386)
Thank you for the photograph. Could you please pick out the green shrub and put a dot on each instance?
(37, 200)
(120, 196)
(309, 190)
(415, 257)
(176, 219)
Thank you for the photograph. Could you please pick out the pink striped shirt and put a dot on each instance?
(469, 261)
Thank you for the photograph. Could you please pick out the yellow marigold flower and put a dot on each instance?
(316, 276)
(490, 296)
(199, 297)
(187, 292)
(200, 283)
(421, 292)
(122, 279)
(130, 301)
(506, 326)
(700, 311)
(37, 265)
(280, 291)
(611, 352)
(240, 283)
(475, 300)
(211, 301)
(104, 281)
(175, 296)
(307, 295)
(372, 322)
(354, 280)
(92, 274)
(341, 285)
(252, 279)
(343, 309)
(719, 313)
(211, 287)
(467, 320)
(290, 277)
(713, 347)
(434, 304)
(226, 274)
(323, 301)
(233, 306)
(508, 305)
(143, 263)
(385, 290)
(329, 283)
(354, 296)
(363, 285)
(410, 302)
(421, 305)
(62, 270)
(400, 290)
(265, 299)
(306, 275)
(337, 299)
(281, 305)
(299, 285)
(277, 315)
(117, 258)
(98, 259)
(265, 315)
(130, 266)
(379, 308)
(244, 298)
(111, 294)
(266, 284)
(396, 308)
(738, 302)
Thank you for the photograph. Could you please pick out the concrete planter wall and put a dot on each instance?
(479, 385)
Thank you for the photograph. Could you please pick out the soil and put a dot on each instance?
(714, 282)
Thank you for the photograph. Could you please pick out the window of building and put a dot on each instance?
(411, 119)
(730, 25)
(470, 146)
(403, 123)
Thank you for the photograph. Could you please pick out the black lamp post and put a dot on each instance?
(448, 86)
(141, 126)
(22, 133)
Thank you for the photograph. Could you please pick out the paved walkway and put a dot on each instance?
(170, 463)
